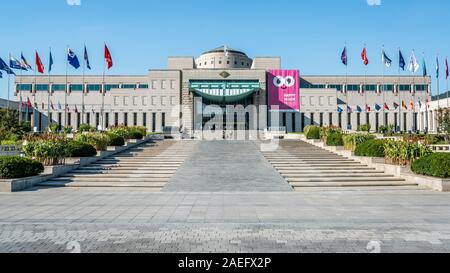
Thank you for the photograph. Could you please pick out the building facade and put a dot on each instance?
(178, 97)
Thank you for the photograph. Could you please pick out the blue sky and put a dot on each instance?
(307, 35)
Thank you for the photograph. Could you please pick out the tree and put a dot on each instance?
(10, 126)
(443, 119)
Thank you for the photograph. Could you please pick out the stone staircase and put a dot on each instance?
(310, 168)
(149, 167)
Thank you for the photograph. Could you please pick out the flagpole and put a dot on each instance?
(34, 91)
(103, 95)
(382, 90)
(345, 87)
(83, 93)
(400, 104)
(49, 121)
(65, 94)
(364, 88)
(448, 103)
(20, 96)
(9, 89)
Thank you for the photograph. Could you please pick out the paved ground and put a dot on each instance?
(134, 220)
(227, 166)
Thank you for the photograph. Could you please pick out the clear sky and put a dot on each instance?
(308, 35)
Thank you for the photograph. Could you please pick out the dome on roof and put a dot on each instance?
(223, 58)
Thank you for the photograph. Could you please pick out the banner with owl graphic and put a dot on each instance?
(283, 90)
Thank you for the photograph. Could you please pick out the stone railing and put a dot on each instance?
(440, 148)
(10, 150)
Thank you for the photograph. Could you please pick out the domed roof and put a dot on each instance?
(222, 49)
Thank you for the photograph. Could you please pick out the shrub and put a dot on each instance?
(99, 140)
(435, 140)
(352, 140)
(325, 131)
(53, 128)
(370, 148)
(404, 153)
(81, 149)
(437, 165)
(86, 128)
(18, 167)
(312, 132)
(49, 149)
(335, 139)
(140, 129)
(135, 135)
(11, 143)
(67, 130)
(364, 128)
(115, 140)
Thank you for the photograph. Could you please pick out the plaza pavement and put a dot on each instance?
(210, 217)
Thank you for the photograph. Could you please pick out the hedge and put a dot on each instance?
(312, 132)
(353, 140)
(437, 165)
(335, 139)
(81, 149)
(18, 167)
(115, 140)
(370, 148)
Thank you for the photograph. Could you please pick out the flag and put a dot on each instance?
(29, 103)
(420, 103)
(72, 59)
(339, 109)
(344, 57)
(50, 62)
(413, 64)
(428, 104)
(359, 109)
(25, 62)
(404, 105)
(6, 68)
(349, 109)
(59, 105)
(43, 106)
(86, 58)
(108, 57)
(76, 109)
(39, 65)
(368, 109)
(437, 67)
(386, 60)
(401, 60)
(1, 75)
(53, 107)
(412, 106)
(396, 105)
(67, 108)
(225, 51)
(364, 56)
(15, 64)
(386, 107)
(446, 68)
(424, 68)
(377, 107)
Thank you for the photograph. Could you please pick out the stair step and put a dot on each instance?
(345, 180)
(102, 184)
(356, 188)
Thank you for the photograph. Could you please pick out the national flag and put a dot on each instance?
(76, 109)
(412, 106)
(349, 109)
(225, 51)
(29, 103)
(368, 109)
(25, 62)
(401, 60)
(36, 106)
(67, 108)
(377, 107)
(424, 68)
(339, 109)
(43, 106)
(396, 105)
(108, 57)
(404, 105)
(6, 68)
(50, 62)
(53, 107)
(386, 107)
(39, 65)
(344, 57)
(437, 67)
(364, 56)
(15, 64)
(413, 64)
(386, 60)
(428, 103)
(420, 103)
(359, 109)
(446, 69)
(86, 58)
(72, 59)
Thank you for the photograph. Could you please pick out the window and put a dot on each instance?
(143, 86)
(172, 84)
(358, 120)
(352, 87)
(396, 121)
(129, 86)
(321, 119)
(340, 120)
(330, 119)
(415, 121)
(163, 84)
(311, 86)
(58, 87)
(144, 119)
(293, 122)
(153, 122)
(405, 87)
(41, 87)
(368, 119)
(125, 119)
(377, 121)
(220, 62)
(88, 118)
(283, 120)
(302, 120)
(59, 120)
(349, 121)
(94, 87)
(135, 100)
(24, 87)
(107, 120)
(154, 83)
(76, 88)
(116, 119)
(311, 116)
(386, 119)
(108, 87)
(338, 87)
(144, 101)
(370, 87)
(135, 119)
(78, 120)
(163, 120)
(421, 87)
(97, 120)
(69, 119)
(405, 125)
(387, 88)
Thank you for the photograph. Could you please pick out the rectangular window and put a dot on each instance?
(293, 122)
(358, 120)
(129, 86)
(42, 87)
(405, 123)
(163, 84)
(387, 88)
(321, 119)
(69, 119)
(396, 121)
(40, 122)
(153, 122)
(349, 121)
(283, 119)
(352, 87)
(154, 84)
(116, 119)
(107, 120)
(340, 120)
(97, 120)
(370, 87)
(368, 118)
(78, 120)
(302, 117)
(58, 88)
(163, 120)
(405, 87)
(386, 119)
(172, 84)
(377, 121)
(59, 120)
(135, 115)
(415, 121)
(24, 87)
(421, 87)
(94, 87)
(76, 88)
(108, 87)
(143, 86)
(311, 116)
(125, 119)
(144, 119)
(330, 119)
(338, 87)
(88, 118)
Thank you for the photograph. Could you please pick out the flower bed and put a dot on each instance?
(370, 148)
(19, 167)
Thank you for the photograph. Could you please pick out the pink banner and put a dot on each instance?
(284, 90)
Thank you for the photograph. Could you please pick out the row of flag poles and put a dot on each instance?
(72, 59)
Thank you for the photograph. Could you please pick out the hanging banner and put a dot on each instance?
(283, 90)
